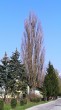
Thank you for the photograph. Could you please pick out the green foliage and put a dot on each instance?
(3, 70)
(4, 73)
(23, 101)
(34, 98)
(51, 82)
(1, 104)
(16, 74)
(13, 74)
(44, 92)
(13, 103)
(59, 80)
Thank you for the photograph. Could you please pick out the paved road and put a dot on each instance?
(53, 105)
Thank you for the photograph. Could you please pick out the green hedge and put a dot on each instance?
(1, 104)
(23, 101)
(13, 103)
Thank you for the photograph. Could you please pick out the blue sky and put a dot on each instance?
(12, 16)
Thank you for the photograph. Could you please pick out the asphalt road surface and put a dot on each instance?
(53, 105)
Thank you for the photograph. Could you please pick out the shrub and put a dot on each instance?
(24, 96)
(13, 103)
(34, 98)
(23, 101)
(1, 104)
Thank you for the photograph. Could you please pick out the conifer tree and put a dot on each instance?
(4, 72)
(51, 82)
(17, 73)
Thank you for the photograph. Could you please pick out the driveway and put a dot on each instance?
(53, 105)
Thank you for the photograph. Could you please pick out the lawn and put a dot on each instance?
(29, 104)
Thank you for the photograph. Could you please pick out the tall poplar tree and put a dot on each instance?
(33, 51)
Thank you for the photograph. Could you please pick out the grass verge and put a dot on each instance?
(28, 105)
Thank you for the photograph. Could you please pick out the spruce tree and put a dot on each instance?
(4, 72)
(17, 73)
(51, 82)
